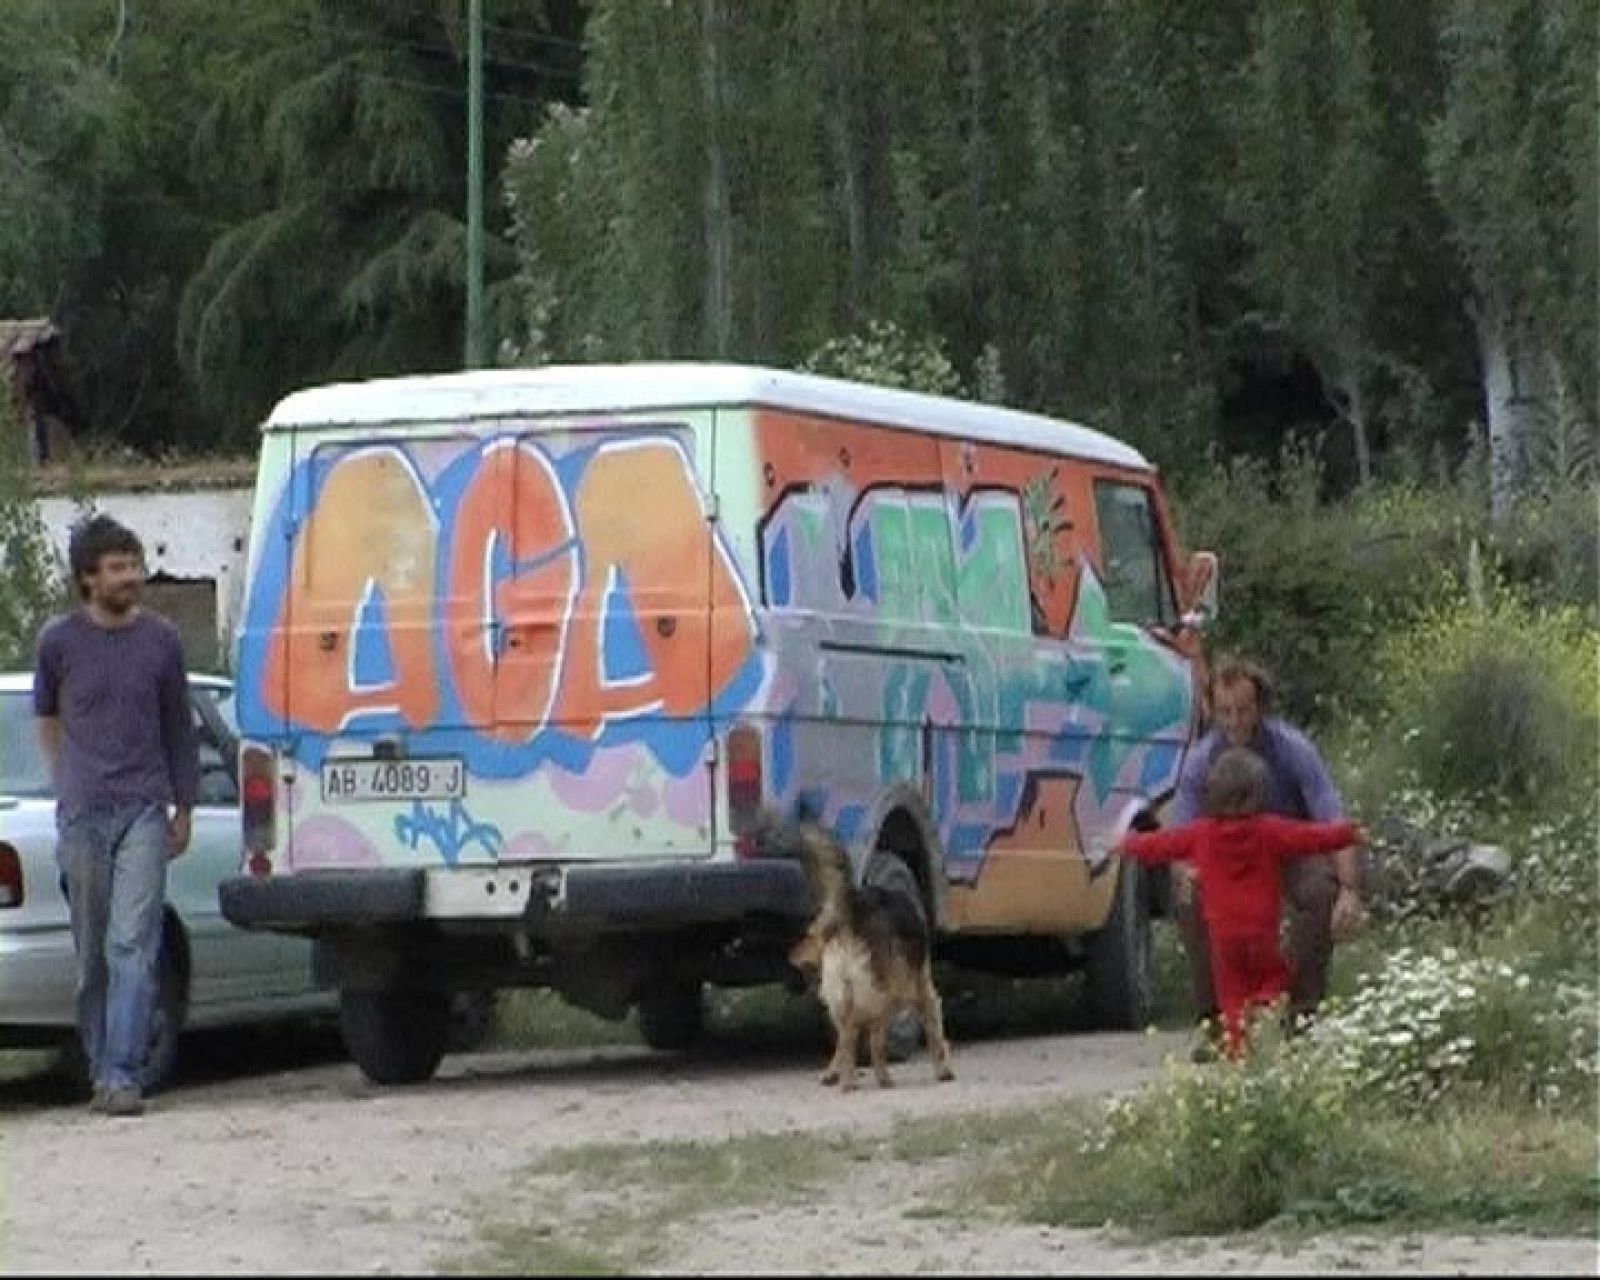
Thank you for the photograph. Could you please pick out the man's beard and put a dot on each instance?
(120, 603)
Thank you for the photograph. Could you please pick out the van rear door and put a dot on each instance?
(500, 643)
(607, 669)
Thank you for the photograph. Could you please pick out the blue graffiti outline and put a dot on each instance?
(450, 831)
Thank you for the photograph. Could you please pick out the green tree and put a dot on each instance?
(1512, 156)
(889, 357)
(341, 137)
(1312, 196)
(30, 580)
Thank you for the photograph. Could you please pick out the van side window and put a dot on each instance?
(1136, 584)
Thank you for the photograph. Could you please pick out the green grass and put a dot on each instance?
(24, 1064)
(608, 1207)
(1479, 1168)
(604, 1208)
(543, 1020)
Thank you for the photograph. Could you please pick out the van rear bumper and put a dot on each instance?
(533, 898)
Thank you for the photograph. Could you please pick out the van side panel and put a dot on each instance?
(530, 598)
(934, 616)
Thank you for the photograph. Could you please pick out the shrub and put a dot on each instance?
(1550, 547)
(1313, 587)
(888, 356)
(1331, 1124)
(1217, 1150)
(31, 585)
(1495, 699)
(1310, 588)
(1430, 1026)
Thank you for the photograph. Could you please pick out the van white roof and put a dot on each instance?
(627, 388)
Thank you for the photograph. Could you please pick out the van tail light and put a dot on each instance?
(743, 779)
(10, 877)
(259, 808)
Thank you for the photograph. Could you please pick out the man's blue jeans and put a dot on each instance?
(113, 861)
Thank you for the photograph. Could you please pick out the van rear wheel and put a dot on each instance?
(395, 1036)
(672, 1015)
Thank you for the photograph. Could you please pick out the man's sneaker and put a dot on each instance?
(123, 1102)
(97, 1099)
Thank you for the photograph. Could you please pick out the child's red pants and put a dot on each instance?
(1248, 970)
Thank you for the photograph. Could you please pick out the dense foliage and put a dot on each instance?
(1191, 224)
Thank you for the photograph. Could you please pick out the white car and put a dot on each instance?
(212, 974)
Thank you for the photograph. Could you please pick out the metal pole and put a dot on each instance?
(475, 317)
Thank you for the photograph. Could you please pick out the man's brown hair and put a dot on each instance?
(1236, 787)
(1236, 670)
(92, 540)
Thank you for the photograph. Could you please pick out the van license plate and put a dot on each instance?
(393, 780)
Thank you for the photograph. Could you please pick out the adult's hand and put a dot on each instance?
(178, 829)
(1183, 882)
(1347, 914)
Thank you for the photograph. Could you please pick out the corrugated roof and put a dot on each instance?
(147, 477)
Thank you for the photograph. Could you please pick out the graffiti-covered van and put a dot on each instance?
(524, 653)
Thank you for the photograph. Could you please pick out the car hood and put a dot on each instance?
(27, 804)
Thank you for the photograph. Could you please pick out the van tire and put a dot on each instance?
(1117, 957)
(472, 1015)
(887, 869)
(672, 1016)
(396, 1036)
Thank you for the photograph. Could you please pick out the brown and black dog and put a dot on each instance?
(870, 951)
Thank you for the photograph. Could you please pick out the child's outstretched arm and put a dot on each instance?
(1175, 844)
(1291, 839)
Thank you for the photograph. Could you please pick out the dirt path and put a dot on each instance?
(312, 1170)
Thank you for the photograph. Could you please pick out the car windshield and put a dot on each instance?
(23, 771)
(222, 700)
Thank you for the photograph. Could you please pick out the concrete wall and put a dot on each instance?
(194, 537)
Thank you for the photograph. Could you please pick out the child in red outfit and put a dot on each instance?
(1236, 850)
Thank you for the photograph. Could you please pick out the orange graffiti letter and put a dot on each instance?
(639, 514)
(513, 513)
(370, 535)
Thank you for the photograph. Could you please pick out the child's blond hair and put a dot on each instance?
(1236, 787)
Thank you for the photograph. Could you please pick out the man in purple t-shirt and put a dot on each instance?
(112, 701)
(1322, 893)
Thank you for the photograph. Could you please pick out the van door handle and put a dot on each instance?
(1117, 664)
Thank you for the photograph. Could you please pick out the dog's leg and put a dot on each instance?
(844, 1067)
(933, 1025)
(878, 1043)
(844, 1047)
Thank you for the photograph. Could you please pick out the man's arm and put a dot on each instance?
(1189, 801)
(50, 741)
(180, 744)
(47, 704)
(1322, 804)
